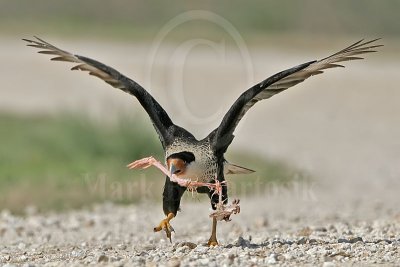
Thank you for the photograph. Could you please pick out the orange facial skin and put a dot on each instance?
(177, 165)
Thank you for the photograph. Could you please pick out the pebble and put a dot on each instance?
(328, 264)
(302, 241)
(188, 244)
(241, 242)
(182, 249)
(5, 258)
(204, 261)
(356, 239)
(174, 263)
(201, 249)
(121, 246)
(272, 259)
(22, 258)
(102, 258)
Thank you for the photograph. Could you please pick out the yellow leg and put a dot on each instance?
(166, 226)
(213, 239)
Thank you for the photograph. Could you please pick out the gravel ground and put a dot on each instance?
(308, 233)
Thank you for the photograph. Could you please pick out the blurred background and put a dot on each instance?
(66, 137)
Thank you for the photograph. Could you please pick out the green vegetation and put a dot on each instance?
(68, 162)
(143, 19)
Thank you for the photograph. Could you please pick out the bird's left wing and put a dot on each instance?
(223, 135)
(157, 114)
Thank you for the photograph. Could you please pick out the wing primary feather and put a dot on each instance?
(157, 114)
(223, 135)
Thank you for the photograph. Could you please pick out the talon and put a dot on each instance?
(212, 243)
(166, 226)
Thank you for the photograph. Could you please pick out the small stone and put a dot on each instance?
(121, 246)
(343, 240)
(241, 242)
(106, 247)
(6, 258)
(225, 262)
(280, 258)
(175, 262)
(149, 247)
(204, 261)
(288, 256)
(102, 258)
(22, 258)
(272, 259)
(373, 248)
(201, 249)
(78, 253)
(328, 264)
(302, 241)
(355, 240)
(188, 244)
(182, 249)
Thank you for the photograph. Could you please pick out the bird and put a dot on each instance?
(202, 160)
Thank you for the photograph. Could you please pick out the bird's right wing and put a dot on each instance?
(223, 135)
(157, 114)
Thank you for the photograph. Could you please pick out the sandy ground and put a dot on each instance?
(342, 126)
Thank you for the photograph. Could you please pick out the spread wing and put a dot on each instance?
(223, 135)
(159, 117)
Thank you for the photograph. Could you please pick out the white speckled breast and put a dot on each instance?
(205, 167)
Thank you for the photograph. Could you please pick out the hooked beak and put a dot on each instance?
(172, 169)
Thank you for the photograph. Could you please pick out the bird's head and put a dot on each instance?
(178, 162)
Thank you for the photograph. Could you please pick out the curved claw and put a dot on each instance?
(212, 243)
(166, 226)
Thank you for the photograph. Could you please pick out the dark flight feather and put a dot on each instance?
(223, 135)
(159, 117)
